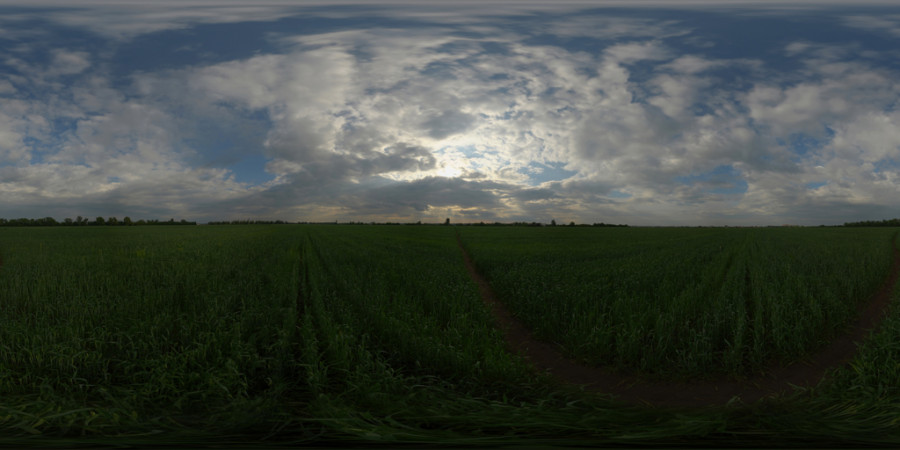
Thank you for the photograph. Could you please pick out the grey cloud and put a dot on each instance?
(885, 23)
(594, 189)
(447, 123)
(531, 195)
(300, 140)
(397, 157)
(428, 192)
(375, 197)
(811, 211)
(636, 51)
(402, 157)
(691, 64)
(612, 27)
(125, 21)
(69, 63)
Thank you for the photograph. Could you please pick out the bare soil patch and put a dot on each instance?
(774, 381)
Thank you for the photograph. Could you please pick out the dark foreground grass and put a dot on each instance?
(303, 335)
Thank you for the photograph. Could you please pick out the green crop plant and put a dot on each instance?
(140, 329)
(678, 302)
(355, 335)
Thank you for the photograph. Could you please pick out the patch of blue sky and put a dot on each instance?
(802, 143)
(465, 45)
(739, 186)
(203, 44)
(618, 194)
(22, 57)
(222, 140)
(733, 31)
(37, 157)
(251, 169)
(544, 172)
(472, 154)
(815, 185)
(746, 33)
(886, 164)
(755, 36)
(61, 124)
(30, 20)
(441, 70)
(469, 150)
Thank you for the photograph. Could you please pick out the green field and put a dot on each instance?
(363, 334)
(683, 302)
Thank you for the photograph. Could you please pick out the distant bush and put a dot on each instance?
(80, 221)
(875, 223)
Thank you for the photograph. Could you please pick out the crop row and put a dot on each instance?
(683, 302)
(142, 336)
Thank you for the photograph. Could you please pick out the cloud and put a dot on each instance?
(124, 21)
(810, 106)
(427, 193)
(636, 51)
(889, 23)
(447, 123)
(534, 103)
(692, 64)
(6, 87)
(68, 63)
(512, 116)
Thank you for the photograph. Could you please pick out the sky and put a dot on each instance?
(640, 112)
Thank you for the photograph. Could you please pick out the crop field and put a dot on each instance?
(323, 334)
(676, 302)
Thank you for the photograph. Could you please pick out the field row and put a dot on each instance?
(360, 334)
(683, 302)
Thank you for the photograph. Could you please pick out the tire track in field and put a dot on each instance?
(776, 380)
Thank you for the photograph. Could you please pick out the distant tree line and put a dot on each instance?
(537, 224)
(248, 222)
(469, 224)
(85, 222)
(875, 223)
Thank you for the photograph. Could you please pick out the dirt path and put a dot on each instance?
(634, 390)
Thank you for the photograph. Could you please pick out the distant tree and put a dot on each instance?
(46, 222)
(572, 223)
(875, 223)
(447, 222)
(112, 221)
(553, 222)
(100, 221)
(127, 221)
(68, 221)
